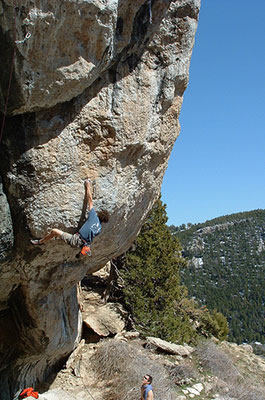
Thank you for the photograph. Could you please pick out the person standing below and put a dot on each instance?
(146, 388)
(91, 228)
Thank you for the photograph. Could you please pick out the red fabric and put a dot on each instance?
(85, 250)
(28, 392)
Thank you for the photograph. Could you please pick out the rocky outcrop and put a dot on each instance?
(96, 92)
(7, 237)
(170, 348)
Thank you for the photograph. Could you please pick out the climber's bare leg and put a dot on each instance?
(54, 233)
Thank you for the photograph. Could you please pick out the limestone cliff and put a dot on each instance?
(96, 91)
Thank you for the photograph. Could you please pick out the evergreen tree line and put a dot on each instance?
(225, 270)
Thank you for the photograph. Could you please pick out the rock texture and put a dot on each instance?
(96, 91)
(104, 321)
(170, 348)
(6, 233)
(57, 394)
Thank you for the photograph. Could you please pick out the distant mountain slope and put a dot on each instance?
(226, 266)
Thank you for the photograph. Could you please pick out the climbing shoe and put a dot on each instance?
(36, 242)
(85, 251)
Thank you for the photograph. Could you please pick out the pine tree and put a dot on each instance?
(152, 289)
(151, 273)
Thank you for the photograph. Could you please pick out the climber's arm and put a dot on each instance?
(150, 395)
(88, 194)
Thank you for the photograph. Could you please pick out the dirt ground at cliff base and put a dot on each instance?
(185, 375)
(80, 380)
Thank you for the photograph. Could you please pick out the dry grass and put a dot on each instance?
(183, 374)
(219, 364)
(216, 361)
(122, 367)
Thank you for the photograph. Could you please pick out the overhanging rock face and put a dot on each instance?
(96, 92)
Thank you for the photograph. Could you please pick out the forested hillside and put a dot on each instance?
(225, 270)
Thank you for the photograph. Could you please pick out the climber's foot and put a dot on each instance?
(36, 242)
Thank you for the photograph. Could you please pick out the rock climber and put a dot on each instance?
(91, 228)
(146, 388)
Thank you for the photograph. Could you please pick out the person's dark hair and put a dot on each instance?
(103, 216)
(149, 378)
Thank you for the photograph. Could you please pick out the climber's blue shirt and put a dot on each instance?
(91, 227)
(147, 389)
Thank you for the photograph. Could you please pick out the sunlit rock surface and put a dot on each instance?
(96, 92)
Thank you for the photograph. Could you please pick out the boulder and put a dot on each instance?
(198, 386)
(130, 335)
(104, 320)
(56, 394)
(247, 347)
(194, 390)
(170, 348)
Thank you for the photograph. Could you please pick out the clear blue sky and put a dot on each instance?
(217, 165)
